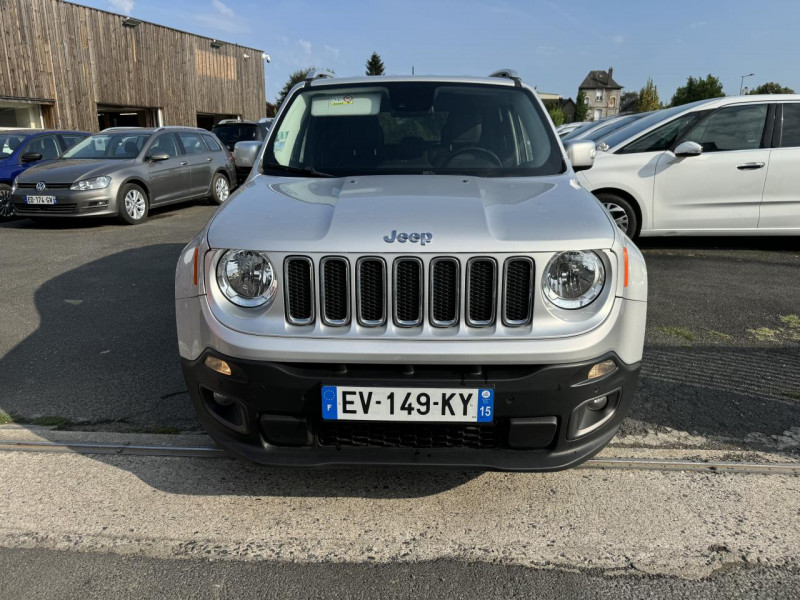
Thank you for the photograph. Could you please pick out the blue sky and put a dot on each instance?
(551, 44)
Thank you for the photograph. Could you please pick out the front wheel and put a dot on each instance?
(133, 205)
(6, 204)
(622, 212)
(220, 188)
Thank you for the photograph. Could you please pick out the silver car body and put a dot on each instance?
(361, 216)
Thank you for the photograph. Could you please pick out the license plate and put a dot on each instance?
(40, 199)
(443, 405)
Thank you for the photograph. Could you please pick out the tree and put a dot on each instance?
(272, 109)
(375, 65)
(771, 88)
(580, 107)
(294, 79)
(557, 115)
(628, 101)
(648, 97)
(698, 89)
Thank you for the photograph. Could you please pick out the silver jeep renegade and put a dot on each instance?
(412, 275)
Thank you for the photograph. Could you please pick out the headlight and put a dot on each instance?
(247, 278)
(573, 279)
(14, 185)
(98, 183)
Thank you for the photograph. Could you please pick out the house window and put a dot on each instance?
(612, 101)
(598, 96)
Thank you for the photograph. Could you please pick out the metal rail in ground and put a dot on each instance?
(650, 464)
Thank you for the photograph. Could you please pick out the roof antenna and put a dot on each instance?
(412, 69)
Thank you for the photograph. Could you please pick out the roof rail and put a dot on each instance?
(508, 74)
(163, 127)
(319, 74)
(120, 128)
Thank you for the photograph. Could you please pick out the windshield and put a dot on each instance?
(635, 128)
(413, 127)
(9, 143)
(109, 145)
(605, 129)
(239, 132)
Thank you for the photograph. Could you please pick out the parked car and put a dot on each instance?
(126, 171)
(411, 276)
(726, 166)
(604, 128)
(564, 129)
(568, 129)
(22, 149)
(233, 131)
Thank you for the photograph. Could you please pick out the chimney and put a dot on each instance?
(610, 74)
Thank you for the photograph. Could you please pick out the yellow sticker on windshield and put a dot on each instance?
(341, 101)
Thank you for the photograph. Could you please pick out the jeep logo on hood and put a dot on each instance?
(421, 238)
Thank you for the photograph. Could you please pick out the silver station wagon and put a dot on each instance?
(412, 275)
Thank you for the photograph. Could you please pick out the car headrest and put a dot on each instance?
(131, 148)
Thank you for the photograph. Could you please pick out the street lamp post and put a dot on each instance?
(741, 85)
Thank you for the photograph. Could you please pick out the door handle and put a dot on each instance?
(209, 159)
(750, 166)
(184, 163)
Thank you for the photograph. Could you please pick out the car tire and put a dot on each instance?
(133, 204)
(220, 188)
(6, 205)
(622, 212)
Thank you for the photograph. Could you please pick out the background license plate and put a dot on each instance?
(452, 405)
(40, 199)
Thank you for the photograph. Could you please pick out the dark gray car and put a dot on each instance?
(126, 171)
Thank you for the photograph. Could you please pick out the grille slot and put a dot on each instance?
(444, 292)
(299, 274)
(408, 284)
(335, 284)
(48, 186)
(518, 291)
(371, 285)
(481, 292)
(61, 208)
(407, 435)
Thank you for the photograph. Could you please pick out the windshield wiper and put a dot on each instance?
(310, 171)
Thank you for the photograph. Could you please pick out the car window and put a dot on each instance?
(662, 138)
(419, 127)
(165, 144)
(236, 132)
(9, 143)
(108, 145)
(730, 128)
(790, 134)
(658, 117)
(68, 140)
(191, 143)
(211, 143)
(45, 145)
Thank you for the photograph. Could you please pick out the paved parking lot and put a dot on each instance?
(89, 337)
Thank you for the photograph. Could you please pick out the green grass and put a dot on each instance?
(795, 394)
(720, 335)
(5, 418)
(678, 332)
(50, 421)
(764, 334)
(791, 321)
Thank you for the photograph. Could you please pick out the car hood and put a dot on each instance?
(461, 214)
(70, 170)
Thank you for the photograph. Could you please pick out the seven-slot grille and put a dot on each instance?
(414, 290)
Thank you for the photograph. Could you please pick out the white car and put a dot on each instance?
(727, 166)
(411, 275)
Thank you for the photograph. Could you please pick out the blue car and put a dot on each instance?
(21, 149)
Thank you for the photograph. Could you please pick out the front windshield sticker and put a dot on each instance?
(346, 105)
(342, 100)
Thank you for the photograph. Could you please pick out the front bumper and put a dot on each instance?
(272, 414)
(69, 203)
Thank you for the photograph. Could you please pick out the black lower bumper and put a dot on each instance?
(271, 413)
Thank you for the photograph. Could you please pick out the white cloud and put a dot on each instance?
(306, 46)
(123, 6)
(618, 39)
(222, 8)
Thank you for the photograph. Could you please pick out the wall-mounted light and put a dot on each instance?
(217, 44)
(265, 56)
(131, 22)
(245, 56)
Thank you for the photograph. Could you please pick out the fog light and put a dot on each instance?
(218, 365)
(601, 369)
(223, 400)
(596, 404)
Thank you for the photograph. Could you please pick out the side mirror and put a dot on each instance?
(688, 149)
(245, 154)
(581, 154)
(158, 157)
(30, 157)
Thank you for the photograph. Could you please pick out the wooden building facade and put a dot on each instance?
(68, 66)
